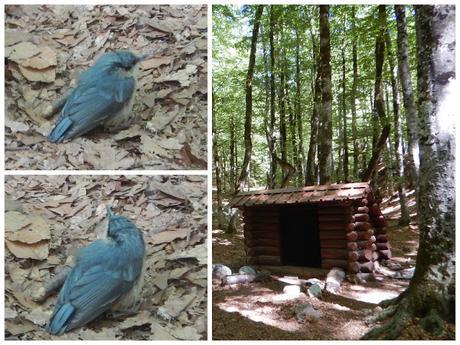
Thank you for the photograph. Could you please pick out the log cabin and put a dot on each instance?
(325, 226)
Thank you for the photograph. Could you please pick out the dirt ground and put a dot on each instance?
(48, 218)
(48, 46)
(260, 310)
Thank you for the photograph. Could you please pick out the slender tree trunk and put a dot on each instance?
(325, 129)
(217, 167)
(233, 154)
(379, 103)
(354, 129)
(344, 117)
(298, 114)
(267, 99)
(292, 134)
(311, 169)
(271, 141)
(429, 302)
(248, 118)
(398, 169)
(408, 98)
(282, 107)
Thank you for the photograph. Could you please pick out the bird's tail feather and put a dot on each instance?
(57, 135)
(61, 319)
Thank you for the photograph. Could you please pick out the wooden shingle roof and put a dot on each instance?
(308, 195)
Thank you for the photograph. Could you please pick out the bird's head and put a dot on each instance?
(119, 226)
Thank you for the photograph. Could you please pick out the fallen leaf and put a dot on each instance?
(21, 51)
(36, 251)
(168, 236)
(156, 62)
(16, 220)
(38, 230)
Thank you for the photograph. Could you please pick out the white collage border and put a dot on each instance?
(207, 173)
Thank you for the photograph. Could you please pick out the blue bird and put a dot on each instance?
(107, 276)
(104, 96)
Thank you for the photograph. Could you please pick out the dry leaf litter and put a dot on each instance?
(48, 218)
(47, 47)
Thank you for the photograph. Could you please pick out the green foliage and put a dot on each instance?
(295, 25)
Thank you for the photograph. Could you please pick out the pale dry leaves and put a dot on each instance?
(46, 47)
(47, 219)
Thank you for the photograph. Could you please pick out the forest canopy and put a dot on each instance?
(285, 110)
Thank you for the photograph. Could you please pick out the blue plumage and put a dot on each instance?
(104, 92)
(106, 272)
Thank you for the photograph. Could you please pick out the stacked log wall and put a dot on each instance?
(262, 235)
(380, 224)
(352, 235)
(337, 235)
(366, 237)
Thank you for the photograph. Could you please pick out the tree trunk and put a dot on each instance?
(354, 130)
(406, 85)
(293, 137)
(298, 114)
(267, 94)
(325, 128)
(398, 168)
(233, 154)
(248, 118)
(282, 107)
(344, 117)
(379, 103)
(429, 302)
(311, 169)
(271, 141)
(217, 167)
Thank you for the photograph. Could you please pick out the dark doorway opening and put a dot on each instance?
(300, 244)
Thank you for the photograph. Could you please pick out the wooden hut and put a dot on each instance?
(337, 225)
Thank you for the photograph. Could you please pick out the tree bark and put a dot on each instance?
(271, 141)
(248, 118)
(344, 116)
(430, 299)
(311, 169)
(282, 107)
(217, 171)
(398, 168)
(298, 114)
(325, 128)
(379, 103)
(354, 130)
(406, 85)
(233, 154)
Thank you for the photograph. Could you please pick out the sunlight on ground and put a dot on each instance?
(223, 242)
(339, 307)
(263, 308)
(350, 330)
(370, 295)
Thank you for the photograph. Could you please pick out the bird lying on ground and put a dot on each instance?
(104, 96)
(107, 276)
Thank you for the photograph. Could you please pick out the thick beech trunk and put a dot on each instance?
(429, 302)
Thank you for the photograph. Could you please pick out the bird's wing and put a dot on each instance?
(90, 104)
(95, 284)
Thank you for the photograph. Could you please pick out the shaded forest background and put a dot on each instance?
(290, 133)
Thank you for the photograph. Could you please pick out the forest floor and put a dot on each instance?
(260, 310)
(48, 46)
(48, 218)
